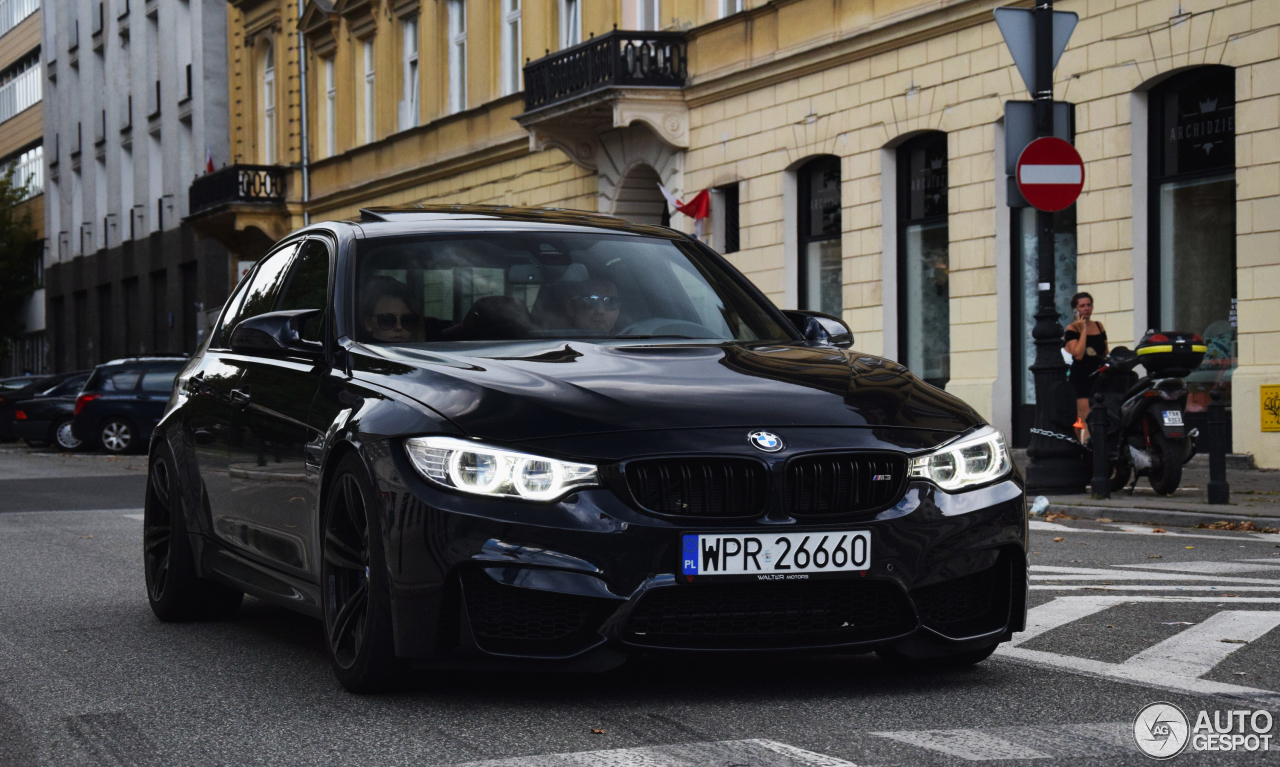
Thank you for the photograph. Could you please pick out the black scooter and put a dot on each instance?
(1146, 432)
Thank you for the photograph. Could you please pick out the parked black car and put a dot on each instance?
(474, 434)
(122, 401)
(46, 418)
(14, 389)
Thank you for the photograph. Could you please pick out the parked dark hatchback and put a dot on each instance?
(472, 434)
(46, 418)
(122, 401)
(14, 389)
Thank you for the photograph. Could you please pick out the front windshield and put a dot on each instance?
(522, 285)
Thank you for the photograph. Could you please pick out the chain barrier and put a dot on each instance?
(1055, 435)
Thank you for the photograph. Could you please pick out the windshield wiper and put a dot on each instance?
(665, 335)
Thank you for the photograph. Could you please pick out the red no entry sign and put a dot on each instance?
(1050, 174)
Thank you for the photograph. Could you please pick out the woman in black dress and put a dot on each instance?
(1086, 342)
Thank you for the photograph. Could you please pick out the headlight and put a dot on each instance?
(475, 468)
(973, 460)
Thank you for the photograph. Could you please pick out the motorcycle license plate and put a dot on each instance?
(1172, 418)
(776, 556)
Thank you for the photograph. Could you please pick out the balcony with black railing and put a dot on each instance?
(237, 184)
(614, 59)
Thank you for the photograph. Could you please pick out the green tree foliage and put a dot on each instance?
(17, 258)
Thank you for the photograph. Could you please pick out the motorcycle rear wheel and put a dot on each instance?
(1166, 466)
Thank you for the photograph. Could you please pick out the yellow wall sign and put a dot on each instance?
(1271, 408)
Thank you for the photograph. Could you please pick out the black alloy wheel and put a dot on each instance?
(63, 437)
(357, 604)
(116, 435)
(173, 590)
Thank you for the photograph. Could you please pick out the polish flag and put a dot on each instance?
(697, 208)
(208, 161)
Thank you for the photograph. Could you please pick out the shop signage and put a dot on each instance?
(1270, 407)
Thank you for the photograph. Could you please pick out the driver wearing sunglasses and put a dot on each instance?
(387, 311)
(594, 305)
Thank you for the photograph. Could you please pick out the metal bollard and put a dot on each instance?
(1097, 421)
(1219, 490)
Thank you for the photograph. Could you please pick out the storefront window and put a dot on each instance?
(1192, 283)
(821, 268)
(1026, 301)
(924, 302)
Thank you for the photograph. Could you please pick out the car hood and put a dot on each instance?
(518, 391)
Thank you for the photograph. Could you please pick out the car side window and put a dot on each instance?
(159, 380)
(121, 380)
(262, 293)
(308, 286)
(69, 386)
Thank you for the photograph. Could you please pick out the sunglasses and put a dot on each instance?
(608, 303)
(388, 321)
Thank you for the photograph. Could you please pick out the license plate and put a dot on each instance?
(776, 556)
(1172, 418)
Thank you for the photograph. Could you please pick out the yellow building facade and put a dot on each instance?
(856, 150)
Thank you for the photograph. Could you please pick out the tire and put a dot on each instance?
(173, 589)
(943, 663)
(1166, 469)
(117, 435)
(63, 438)
(1120, 475)
(355, 591)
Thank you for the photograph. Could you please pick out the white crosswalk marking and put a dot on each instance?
(755, 752)
(1179, 662)
(1196, 650)
(1210, 568)
(972, 745)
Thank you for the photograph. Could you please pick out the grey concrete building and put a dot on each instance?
(135, 108)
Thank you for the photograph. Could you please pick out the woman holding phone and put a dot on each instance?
(1086, 342)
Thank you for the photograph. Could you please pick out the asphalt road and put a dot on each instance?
(1121, 618)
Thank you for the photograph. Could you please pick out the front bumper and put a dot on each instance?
(484, 579)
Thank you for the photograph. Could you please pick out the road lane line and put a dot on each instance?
(754, 752)
(1148, 587)
(1150, 577)
(1060, 612)
(1196, 650)
(971, 745)
(1239, 536)
(1209, 567)
(1157, 680)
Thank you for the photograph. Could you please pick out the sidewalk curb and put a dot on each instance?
(1159, 517)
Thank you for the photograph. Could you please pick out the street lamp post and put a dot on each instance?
(1055, 464)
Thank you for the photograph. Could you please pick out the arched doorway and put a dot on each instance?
(638, 198)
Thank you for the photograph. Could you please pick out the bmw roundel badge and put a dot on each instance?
(766, 441)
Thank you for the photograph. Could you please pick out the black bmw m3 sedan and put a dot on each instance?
(482, 436)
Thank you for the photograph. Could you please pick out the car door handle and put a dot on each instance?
(239, 397)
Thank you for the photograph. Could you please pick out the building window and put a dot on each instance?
(924, 300)
(269, 105)
(511, 70)
(648, 14)
(729, 201)
(1192, 254)
(409, 104)
(369, 95)
(570, 22)
(330, 110)
(730, 7)
(457, 55)
(821, 267)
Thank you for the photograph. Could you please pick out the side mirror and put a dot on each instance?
(821, 328)
(277, 334)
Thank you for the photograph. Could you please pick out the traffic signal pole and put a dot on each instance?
(1055, 465)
